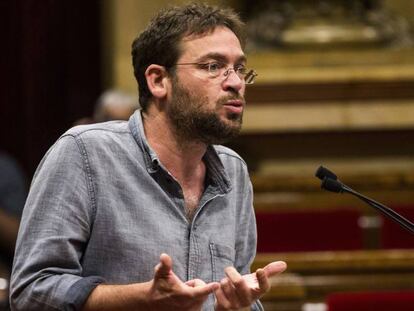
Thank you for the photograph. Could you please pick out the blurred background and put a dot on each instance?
(335, 87)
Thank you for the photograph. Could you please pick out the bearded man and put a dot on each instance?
(111, 201)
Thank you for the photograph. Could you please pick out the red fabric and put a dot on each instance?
(308, 231)
(395, 236)
(371, 301)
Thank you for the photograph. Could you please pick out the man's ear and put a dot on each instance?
(157, 80)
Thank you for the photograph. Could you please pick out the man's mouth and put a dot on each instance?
(234, 105)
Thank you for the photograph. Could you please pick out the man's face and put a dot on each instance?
(203, 108)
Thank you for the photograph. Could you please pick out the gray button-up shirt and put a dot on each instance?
(102, 208)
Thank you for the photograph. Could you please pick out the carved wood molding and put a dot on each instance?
(311, 263)
(274, 93)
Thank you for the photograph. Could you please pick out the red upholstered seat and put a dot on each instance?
(395, 236)
(371, 301)
(308, 230)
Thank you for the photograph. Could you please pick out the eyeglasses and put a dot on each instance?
(217, 69)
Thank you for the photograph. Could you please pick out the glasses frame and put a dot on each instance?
(248, 77)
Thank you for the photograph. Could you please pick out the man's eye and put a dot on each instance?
(240, 69)
(214, 67)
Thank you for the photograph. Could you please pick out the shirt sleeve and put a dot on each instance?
(247, 233)
(54, 231)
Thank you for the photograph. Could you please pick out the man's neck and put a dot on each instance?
(183, 159)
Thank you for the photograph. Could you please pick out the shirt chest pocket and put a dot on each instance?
(222, 256)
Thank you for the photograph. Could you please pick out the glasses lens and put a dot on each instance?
(215, 69)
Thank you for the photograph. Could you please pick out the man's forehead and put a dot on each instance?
(220, 40)
(219, 30)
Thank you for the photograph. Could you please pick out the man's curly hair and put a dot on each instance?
(159, 43)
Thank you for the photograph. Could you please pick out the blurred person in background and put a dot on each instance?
(12, 198)
(112, 105)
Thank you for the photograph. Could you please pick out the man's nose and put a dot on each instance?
(233, 81)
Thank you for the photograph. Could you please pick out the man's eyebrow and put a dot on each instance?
(220, 57)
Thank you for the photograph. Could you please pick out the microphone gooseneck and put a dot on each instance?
(332, 185)
(330, 182)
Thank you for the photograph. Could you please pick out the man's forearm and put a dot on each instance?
(118, 297)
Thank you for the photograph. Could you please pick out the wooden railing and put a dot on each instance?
(311, 276)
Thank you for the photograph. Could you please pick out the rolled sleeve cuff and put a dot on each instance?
(257, 306)
(79, 292)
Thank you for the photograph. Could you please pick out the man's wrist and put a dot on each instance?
(119, 297)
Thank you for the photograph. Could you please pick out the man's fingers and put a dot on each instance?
(239, 291)
(263, 280)
(263, 275)
(236, 279)
(190, 283)
(221, 300)
(206, 289)
(164, 268)
(195, 283)
(274, 268)
(229, 290)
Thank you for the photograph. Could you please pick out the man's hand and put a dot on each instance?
(237, 291)
(165, 292)
(168, 292)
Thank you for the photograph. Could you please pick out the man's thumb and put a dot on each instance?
(163, 269)
(274, 268)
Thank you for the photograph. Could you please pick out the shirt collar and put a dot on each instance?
(214, 166)
(136, 127)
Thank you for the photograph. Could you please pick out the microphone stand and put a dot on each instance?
(402, 221)
(331, 183)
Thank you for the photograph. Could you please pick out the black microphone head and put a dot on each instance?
(323, 172)
(332, 185)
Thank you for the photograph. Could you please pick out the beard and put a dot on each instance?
(194, 121)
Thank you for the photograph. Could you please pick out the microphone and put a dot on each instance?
(332, 185)
(323, 172)
(330, 182)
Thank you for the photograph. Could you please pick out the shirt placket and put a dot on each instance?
(195, 259)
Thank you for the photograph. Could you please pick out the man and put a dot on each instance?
(111, 201)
